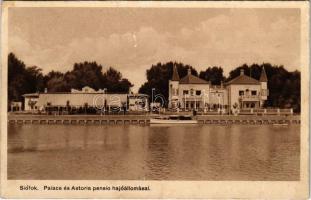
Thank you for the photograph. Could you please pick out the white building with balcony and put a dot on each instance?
(247, 92)
(191, 92)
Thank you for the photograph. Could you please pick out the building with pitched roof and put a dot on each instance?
(187, 92)
(191, 92)
(247, 92)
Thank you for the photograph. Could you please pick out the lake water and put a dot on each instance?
(134, 152)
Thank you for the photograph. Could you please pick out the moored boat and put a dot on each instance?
(281, 124)
(173, 119)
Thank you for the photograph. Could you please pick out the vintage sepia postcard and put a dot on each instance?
(155, 99)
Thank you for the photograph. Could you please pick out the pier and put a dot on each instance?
(145, 119)
(79, 119)
(248, 119)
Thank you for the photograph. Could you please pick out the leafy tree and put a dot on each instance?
(213, 74)
(85, 74)
(22, 79)
(34, 79)
(112, 75)
(16, 73)
(159, 75)
(55, 82)
(253, 71)
(115, 83)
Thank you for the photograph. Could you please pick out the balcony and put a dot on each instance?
(193, 98)
(249, 98)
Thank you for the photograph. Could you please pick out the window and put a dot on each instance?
(241, 93)
(191, 92)
(254, 92)
(198, 92)
(185, 92)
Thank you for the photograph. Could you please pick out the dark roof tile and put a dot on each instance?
(243, 80)
(191, 79)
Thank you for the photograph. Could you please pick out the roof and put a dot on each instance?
(263, 76)
(80, 99)
(119, 93)
(175, 76)
(243, 80)
(191, 79)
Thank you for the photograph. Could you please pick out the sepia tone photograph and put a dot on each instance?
(154, 93)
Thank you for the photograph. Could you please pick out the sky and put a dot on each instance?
(132, 39)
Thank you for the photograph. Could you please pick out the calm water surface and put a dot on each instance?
(191, 152)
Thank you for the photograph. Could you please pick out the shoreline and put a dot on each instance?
(145, 119)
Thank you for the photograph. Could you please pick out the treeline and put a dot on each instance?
(284, 86)
(23, 79)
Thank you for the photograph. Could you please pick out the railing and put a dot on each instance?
(267, 111)
(225, 111)
(249, 97)
(193, 98)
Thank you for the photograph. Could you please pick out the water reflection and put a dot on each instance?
(153, 153)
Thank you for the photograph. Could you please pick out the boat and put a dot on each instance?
(173, 119)
(281, 124)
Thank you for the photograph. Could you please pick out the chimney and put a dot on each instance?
(45, 90)
(189, 71)
(241, 72)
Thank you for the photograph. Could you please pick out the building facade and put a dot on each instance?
(192, 93)
(188, 92)
(86, 97)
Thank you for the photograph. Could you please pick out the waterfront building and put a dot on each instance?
(247, 92)
(86, 98)
(188, 92)
(30, 101)
(193, 93)
(15, 106)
